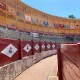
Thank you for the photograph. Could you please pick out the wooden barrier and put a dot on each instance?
(26, 48)
(69, 62)
(48, 46)
(53, 45)
(13, 50)
(36, 46)
(43, 46)
(9, 51)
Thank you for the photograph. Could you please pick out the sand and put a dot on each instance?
(46, 69)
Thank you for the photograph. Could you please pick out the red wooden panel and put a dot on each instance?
(70, 70)
(53, 45)
(9, 51)
(58, 45)
(69, 62)
(48, 46)
(69, 51)
(36, 46)
(26, 48)
(43, 46)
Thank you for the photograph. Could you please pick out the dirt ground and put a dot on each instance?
(46, 69)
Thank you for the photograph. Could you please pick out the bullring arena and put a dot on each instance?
(37, 46)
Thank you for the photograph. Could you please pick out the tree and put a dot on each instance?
(71, 16)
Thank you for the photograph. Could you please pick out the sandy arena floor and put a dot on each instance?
(46, 69)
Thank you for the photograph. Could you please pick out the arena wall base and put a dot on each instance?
(12, 70)
(36, 57)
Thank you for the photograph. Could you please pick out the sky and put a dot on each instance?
(61, 8)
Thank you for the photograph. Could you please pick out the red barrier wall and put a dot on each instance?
(69, 62)
(35, 46)
(9, 51)
(12, 50)
(53, 45)
(43, 46)
(48, 46)
(26, 48)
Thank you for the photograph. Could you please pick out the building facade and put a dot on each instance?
(19, 20)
